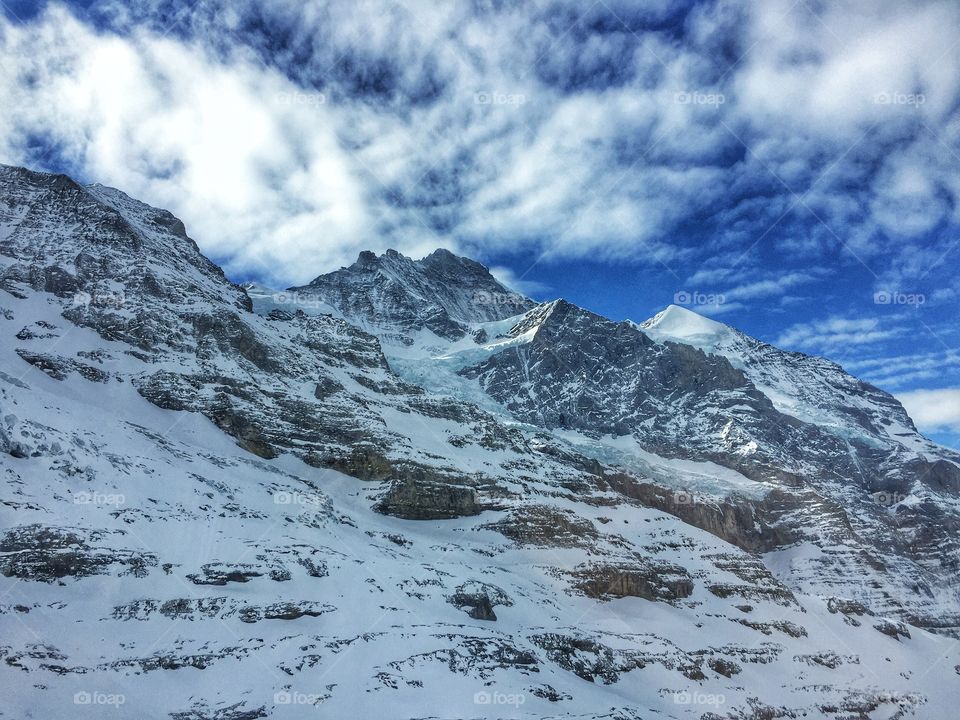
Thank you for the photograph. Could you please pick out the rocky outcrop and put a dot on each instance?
(223, 573)
(422, 494)
(847, 607)
(364, 462)
(546, 526)
(750, 524)
(59, 368)
(284, 611)
(647, 580)
(896, 630)
(478, 600)
(50, 554)
(221, 608)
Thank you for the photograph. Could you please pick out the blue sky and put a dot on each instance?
(787, 166)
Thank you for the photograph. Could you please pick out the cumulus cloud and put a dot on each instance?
(933, 410)
(250, 160)
(289, 135)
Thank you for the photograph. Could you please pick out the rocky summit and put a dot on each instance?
(405, 491)
(441, 294)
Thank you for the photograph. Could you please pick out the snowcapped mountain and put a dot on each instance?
(821, 461)
(227, 503)
(811, 389)
(441, 293)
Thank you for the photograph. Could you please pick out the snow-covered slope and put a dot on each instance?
(151, 563)
(213, 513)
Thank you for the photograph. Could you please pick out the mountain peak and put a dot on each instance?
(680, 323)
(441, 292)
(441, 253)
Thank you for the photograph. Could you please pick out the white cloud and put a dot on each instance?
(837, 333)
(250, 162)
(933, 410)
(581, 148)
(894, 372)
(518, 283)
(717, 309)
(770, 287)
(831, 67)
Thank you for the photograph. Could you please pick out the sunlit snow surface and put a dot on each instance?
(432, 363)
(116, 514)
(385, 640)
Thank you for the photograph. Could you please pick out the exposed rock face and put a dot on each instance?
(136, 279)
(830, 454)
(479, 598)
(585, 657)
(284, 611)
(724, 667)
(896, 630)
(59, 368)
(683, 396)
(422, 495)
(364, 462)
(601, 377)
(650, 581)
(544, 525)
(219, 574)
(751, 525)
(846, 606)
(48, 554)
(810, 388)
(220, 608)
